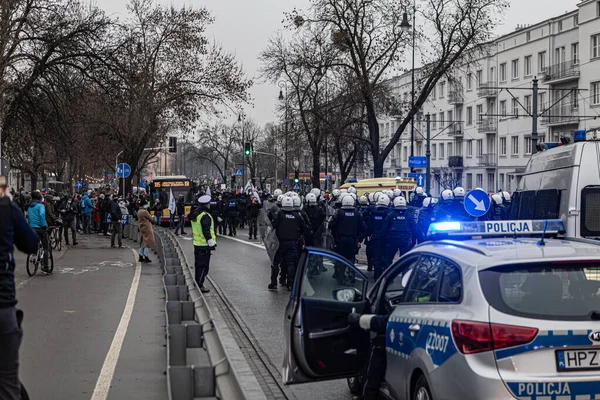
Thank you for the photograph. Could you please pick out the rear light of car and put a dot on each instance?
(476, 337)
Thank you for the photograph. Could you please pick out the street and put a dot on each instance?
(77, 341)
(241, 269)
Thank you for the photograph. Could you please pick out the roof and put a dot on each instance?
(488, 252)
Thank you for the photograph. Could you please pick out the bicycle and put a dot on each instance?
(55, 238)
(36, 261)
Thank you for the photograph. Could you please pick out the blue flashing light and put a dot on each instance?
(580, 135)
(439, 227)
(495, 228)
(548, 146)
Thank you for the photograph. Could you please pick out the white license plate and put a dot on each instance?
(577, 360)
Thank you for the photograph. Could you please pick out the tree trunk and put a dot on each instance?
(377, 166)
(34, 179)
(316, 170)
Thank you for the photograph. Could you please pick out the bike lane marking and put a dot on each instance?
(112, 357)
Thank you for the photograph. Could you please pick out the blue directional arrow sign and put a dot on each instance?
(420, 178)
(239, 172)
(296, 186)
(123, 170)
(78, 185)
(477, 203)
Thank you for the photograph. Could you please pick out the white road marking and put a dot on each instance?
(242, 241)
(112, 357)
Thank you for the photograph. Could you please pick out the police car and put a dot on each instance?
(511, 310)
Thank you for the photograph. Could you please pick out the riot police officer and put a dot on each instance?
(222, 215)
(399, 230)
(315, 215)
(444, 208)
(498, 210)
(507, 203)
(458, 211)
(348, 230)
(425, 219)
(289, 226)
(232, 211)
(376, 237)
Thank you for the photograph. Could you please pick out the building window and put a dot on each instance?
(479, 77)
(441, 120)
(598, 9)
(528, 103)
(515, 69)
(541, 61)
(469, 148)
(514, 145)
(433, 121)
(502, 146)
(479, 113)
(542, 101)
(458, 147)
(527, 145)
(491, 182)
(469, 81)
(574, 99)
(575, 53)
(596, 93)
(469, 181)
(515, 108)
(404, 153)
(528, 36)
(441, 151)
(479, 147)
(527, 64)
(503, 108)
(559, 26)
(595, 46)
(420, 148)
(469, 115)
(503, 72)
(450, 149)
(442, 87)
(479, 180)
(576, 20)
(433, 151)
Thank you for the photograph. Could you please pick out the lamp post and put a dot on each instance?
(405, 26)
(283, 85)
(241, 122)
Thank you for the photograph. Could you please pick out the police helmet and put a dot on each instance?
(311, 198)
(287, 204)
(459, 192)
(294, 195)
(348, 202)
(447, 195)
(383, 200)
(497, 199)
(316, 191)
(336, 193)
(390, 194)
(376, 196)
(427, 202)
(297, 202)
(353, 196)
(321, 198)
(280, 198)
(419, 190)
(434, 200)
(352, 189)
(478, 188)
(371, 198)
(397, 193)
(506, 196)
(363, 200)
(400, 202)
(343, 190)
(277, 193)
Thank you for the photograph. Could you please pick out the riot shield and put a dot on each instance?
(323, 238)
(267, 233)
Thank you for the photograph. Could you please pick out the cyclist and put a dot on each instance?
(13, 231)
(36, 213)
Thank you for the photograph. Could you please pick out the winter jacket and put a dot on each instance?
(115, 212)
(37, 215)
(86, 205)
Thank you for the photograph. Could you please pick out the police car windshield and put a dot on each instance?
(554, 290)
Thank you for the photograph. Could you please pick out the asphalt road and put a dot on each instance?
(71, 318)
(242, 271)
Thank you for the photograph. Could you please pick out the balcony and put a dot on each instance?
(487, 125)
(487, 89)
(560, 115)
(456, 129)
(564, 71)
(456, 96)
(487, 160)
(455, 161)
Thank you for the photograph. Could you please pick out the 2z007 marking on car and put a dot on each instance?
(436, 342)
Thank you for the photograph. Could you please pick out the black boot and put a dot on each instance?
(146, 259)
(141, 259)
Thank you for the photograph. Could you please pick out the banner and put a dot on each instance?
(172, 203)
(251, 189)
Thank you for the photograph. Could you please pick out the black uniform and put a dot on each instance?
(202, 253)
(399, 230)
(425, 219)
(348, 230)
(289, 226)
(243, 203)
(253, 211)
(376, 240)
(457, 210)
(221, 212)
(232, 210)
(316, 216)
(443, 211)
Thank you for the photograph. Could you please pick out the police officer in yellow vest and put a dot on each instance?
(205, 240)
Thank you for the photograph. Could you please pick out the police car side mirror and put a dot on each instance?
(347, 295)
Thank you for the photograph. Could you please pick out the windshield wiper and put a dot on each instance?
(595, 315)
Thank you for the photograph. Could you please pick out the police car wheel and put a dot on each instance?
(355, 384)
(421, 391)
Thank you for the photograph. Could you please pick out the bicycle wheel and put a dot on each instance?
(58, 240)
(50, 261)
(52, 239)
(32, 263)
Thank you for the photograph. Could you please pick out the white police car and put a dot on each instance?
(489, 317)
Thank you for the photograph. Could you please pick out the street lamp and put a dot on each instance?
(241, 122)
(405, 27)
(283, 85)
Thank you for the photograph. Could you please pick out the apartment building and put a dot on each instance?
(481, 119)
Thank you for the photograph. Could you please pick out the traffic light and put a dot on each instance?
(296, 180)
(172, 144)
(247, 149)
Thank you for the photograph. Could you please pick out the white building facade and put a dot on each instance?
(481, 120)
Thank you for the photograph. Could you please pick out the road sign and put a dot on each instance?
(477, 203)
(417, 162)
(123, 170)
(296, 186)
(142, 184)
(420, 178)
(78, 185)
(108, 175)
(239, 172)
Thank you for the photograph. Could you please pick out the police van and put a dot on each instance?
(484, 310)
(563, 181)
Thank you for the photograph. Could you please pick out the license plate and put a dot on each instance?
(577, 360)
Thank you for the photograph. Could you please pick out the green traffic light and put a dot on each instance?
(296, 180)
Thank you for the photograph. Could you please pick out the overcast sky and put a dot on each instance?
(244, 26)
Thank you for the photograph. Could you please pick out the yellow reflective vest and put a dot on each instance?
(199, 239)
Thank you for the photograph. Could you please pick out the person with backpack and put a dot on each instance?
(68, 210)
(115, 217)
